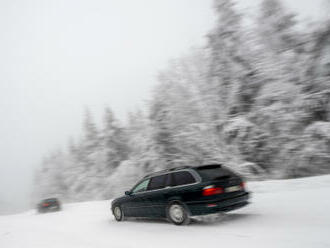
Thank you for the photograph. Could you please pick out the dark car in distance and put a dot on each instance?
(179, 193)
(49, 205)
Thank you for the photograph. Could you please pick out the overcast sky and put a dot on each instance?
(58, 56)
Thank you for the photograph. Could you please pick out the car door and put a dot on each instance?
(155, 196)
(184, 186)
(135, 203)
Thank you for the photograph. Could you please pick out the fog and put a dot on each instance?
(58, 57)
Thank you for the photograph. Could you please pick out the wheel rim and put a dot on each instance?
(177, 213)
(117, 213)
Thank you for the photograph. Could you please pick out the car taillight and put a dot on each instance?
(212, 190)
(45, 204)
(242, 184)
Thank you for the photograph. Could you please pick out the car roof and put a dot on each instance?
(181, 168)
(50, 199)
(166, 170)
(208, 166)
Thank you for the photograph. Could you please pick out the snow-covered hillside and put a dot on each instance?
(286, 213)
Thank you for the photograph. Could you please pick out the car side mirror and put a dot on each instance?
(128, 192)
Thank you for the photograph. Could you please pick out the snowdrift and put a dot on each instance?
(283, 213)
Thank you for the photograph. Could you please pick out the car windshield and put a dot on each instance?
(141, 186)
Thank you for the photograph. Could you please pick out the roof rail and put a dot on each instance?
(168, 170)
(179, 168)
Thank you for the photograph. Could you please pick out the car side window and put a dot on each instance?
(141, 186)
(158, 182)
(182, 178)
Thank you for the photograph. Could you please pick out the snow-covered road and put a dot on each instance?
(285, 213)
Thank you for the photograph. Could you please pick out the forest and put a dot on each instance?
(255, 98)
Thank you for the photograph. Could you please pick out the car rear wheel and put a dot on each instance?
(118, 213)
(178, 214)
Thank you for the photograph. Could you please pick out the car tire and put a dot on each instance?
(178, 214)
(118, 213)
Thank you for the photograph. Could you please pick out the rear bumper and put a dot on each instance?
(226, 205)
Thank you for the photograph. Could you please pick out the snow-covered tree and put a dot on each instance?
(256, 97)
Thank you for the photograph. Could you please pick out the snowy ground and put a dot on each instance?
(290, 213)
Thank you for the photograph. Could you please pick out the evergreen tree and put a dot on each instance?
(255, 98)
(114, 140)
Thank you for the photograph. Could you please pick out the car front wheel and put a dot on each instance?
(118, 213)
(178, 214)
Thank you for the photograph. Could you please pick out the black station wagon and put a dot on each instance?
(179, 193)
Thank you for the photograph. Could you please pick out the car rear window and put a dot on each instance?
(157, 182)
(182, 178)
(214, 172)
